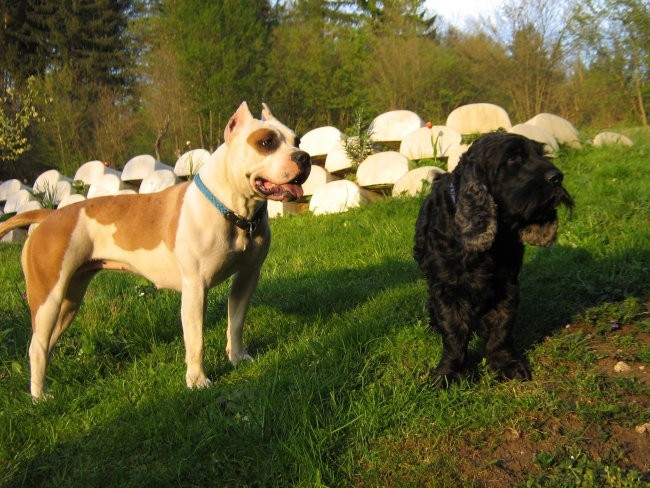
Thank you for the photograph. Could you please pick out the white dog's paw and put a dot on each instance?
(198, 382)
(43, 397)
(240, 358)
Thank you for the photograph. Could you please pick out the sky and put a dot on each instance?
(457, 12)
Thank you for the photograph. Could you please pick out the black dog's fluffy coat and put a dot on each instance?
(468, 245)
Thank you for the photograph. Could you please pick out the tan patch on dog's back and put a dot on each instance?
(141, 221)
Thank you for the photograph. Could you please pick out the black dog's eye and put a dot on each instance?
(515, 159)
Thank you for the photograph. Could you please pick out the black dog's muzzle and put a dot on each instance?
(554, 177)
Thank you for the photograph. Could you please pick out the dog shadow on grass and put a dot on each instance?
(284, 306)
(557, 285)
(560, 284)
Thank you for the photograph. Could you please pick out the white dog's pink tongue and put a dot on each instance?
(286, 192)
(293, 189)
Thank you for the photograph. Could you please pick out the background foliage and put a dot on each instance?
(114, 76)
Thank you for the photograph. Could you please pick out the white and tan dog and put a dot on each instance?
(188, 238)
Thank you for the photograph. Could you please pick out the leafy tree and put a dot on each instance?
(314, 65)
(468, 73)
(221, 56)
(400, 18)
(120, 76)
(613, 38)
(78, 50)
(17, 114)
(535, 37)
(87, 36)
(20, 56)
(166, 110)
(403, 69)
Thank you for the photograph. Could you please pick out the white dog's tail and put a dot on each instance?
(24, 219)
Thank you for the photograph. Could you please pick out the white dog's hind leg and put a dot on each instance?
(193, 300)
(243, 286)
(43, 322)
(70, 305)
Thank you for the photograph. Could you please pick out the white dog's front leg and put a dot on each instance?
(193, 301)
(243, 285)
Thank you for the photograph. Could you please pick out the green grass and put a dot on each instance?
(337, 394)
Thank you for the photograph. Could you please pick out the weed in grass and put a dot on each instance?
(570, 348)
(643, 354)
(359, 145)
(47, 195)
(435, 161)
(609, 315)
(562, 469)
(81, 187)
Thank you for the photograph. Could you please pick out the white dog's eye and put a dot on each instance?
(268, 143)
(265, 141)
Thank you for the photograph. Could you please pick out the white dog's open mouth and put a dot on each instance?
(286, 192)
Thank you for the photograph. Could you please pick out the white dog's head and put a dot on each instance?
(264, 152)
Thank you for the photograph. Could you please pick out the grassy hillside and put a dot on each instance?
(338, 394)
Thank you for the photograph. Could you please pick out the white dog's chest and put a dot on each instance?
(218, 257)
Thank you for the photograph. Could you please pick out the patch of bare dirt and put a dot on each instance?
(511, 458)
(611, 356)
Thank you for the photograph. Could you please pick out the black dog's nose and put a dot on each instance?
(554, 176)
(302, 159)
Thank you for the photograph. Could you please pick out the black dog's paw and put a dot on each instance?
(444, 376)
(515, 369)
(509, 364)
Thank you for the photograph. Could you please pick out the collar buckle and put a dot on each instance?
(249, 226)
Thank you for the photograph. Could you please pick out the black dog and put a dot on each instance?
(468, 244)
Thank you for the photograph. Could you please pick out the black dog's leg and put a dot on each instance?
(453, 322)
(500, 351)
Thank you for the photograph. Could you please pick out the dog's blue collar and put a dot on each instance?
(452, 191)
(248, 225)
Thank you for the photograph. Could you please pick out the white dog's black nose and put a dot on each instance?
(554, 176)
(302, 159)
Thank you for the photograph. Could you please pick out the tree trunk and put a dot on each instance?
(639, 97)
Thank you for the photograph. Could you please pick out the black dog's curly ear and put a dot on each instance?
(423, 224)
(539, 234)
(476, 216)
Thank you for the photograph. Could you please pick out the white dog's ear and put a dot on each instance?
(266, 113)
(236, 121)
(476, 216)
(267, 116)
